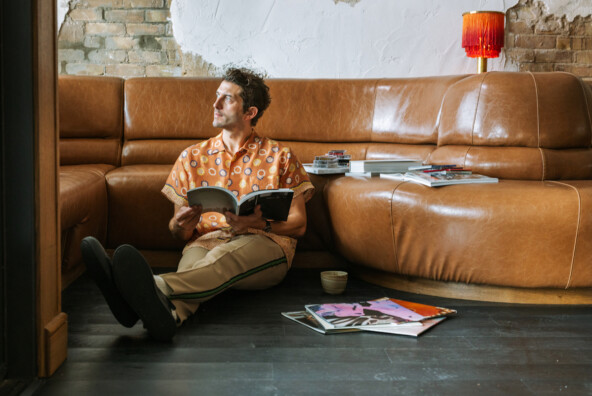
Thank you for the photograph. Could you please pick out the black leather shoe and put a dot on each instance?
(99, 268)
(135, 281)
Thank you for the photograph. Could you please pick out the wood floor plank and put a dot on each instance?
(238, 343)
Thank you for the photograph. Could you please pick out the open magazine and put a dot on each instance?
(275, 204)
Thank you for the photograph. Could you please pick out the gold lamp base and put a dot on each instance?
(482, 65)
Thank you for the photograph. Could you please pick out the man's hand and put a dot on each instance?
(294, 226)
(240, 224)
(183, 223)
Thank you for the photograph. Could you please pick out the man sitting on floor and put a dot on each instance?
(222, 250)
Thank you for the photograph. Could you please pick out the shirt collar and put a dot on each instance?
(250, 145)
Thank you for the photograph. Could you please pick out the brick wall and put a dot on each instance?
(124, 38)
(536, 41)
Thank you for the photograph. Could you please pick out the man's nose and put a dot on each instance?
(217, 102)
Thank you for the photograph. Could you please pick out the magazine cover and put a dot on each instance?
(427, 311)
(380, 312)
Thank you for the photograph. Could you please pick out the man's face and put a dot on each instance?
(228, 107)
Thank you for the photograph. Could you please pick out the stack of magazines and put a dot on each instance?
(383, 315)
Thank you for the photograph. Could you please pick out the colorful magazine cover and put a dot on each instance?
(380, 312)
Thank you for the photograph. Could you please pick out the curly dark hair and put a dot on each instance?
(254, 92)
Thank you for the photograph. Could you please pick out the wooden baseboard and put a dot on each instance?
(56, 343)
(464, 291)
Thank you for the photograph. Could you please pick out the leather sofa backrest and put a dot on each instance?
(530, 126)
(91, 119)
(394, 118)
(165, 115)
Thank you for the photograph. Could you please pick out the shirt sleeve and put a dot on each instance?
(294, 176)
(177, 183)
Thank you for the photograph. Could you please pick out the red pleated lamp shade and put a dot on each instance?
(483, 33)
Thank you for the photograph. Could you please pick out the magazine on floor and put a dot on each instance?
(383, 312)
(306, 319)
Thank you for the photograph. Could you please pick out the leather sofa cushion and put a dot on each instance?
(90, 108)
(75, 151)
(138, 212)
(83, 212)
(407, 109)
(518, 233)
(518, 126)
(546, 110)
(82, 187)
(157, 151)
(165, 115)
(169, 108)
(306, 151)
(319, 110)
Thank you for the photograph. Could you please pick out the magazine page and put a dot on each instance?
(213, 199)
(412, 331)
(275, 204)
(306, 319)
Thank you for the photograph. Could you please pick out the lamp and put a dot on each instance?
(483, 35)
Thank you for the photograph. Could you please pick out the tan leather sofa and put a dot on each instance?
(531, 232)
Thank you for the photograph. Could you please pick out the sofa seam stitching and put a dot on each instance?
(123, 117)
(464, 165)
(573, 254)
(543, 160)
(541, 151)
(476, 109)
(395, 249)
(587, 109)
(373, 113)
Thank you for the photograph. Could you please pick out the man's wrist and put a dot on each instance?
(267, 226)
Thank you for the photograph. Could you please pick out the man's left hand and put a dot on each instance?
(241, 224)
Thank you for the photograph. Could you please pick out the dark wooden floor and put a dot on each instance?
(239, 344)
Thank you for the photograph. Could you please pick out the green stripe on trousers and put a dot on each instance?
(230, 282)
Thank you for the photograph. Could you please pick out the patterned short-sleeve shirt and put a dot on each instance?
(260, 164)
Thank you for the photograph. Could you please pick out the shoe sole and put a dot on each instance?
(135, 281)
(98, 266)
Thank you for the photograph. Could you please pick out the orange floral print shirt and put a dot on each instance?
(260, 164)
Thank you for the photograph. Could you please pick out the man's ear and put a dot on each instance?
(250, 113)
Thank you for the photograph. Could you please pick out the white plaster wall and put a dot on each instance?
(569, 8)
(62, 11)
(324, 39)
(329, 39)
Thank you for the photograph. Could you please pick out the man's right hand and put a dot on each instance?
(184, 221)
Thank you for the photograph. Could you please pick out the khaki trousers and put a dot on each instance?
(248, 262)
